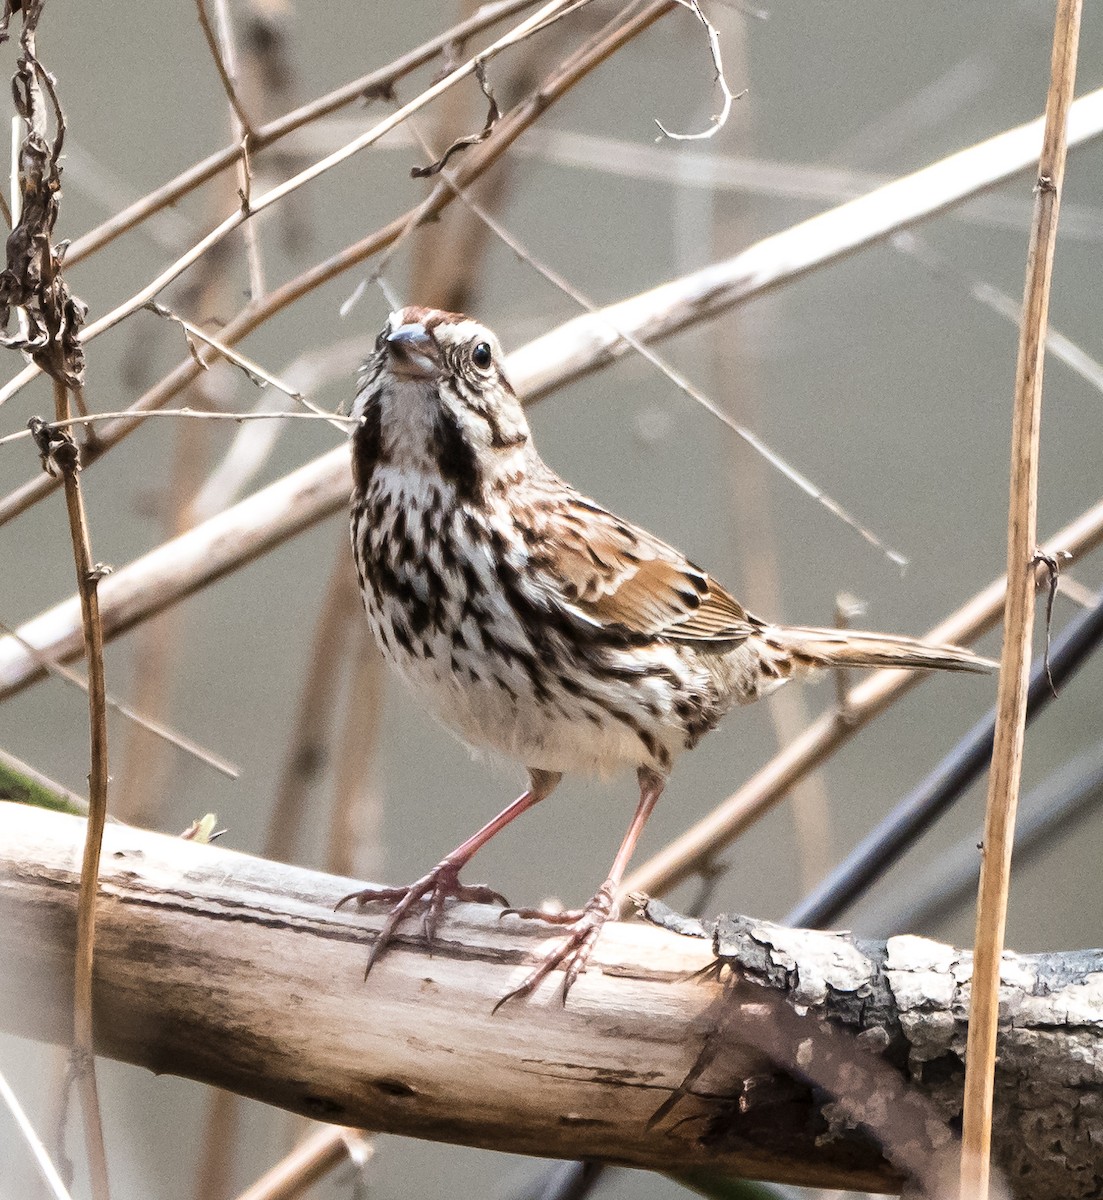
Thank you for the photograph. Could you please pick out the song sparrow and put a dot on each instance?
(533, 622)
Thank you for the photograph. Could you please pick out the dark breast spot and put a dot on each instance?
(402, 635)
(367, 445)
(419, 614)
(455, 456)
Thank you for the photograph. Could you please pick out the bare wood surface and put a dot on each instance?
(234, 970)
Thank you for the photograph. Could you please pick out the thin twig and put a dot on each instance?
(249, 449)
(254, 372)
(88, 575)
(1022, 535)
(222, 56)
(194, 414)
(720, 119)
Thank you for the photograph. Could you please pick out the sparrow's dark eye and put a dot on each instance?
(482, 356)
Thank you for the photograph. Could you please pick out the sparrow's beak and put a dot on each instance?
(413, 353)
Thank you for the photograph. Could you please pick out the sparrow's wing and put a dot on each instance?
(622, 575)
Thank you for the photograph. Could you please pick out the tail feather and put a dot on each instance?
(818, 648)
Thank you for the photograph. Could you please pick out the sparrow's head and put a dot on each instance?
(434, 397)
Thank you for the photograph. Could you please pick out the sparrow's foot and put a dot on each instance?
(429, 893)
(574, 950)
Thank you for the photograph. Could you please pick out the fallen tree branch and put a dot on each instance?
(236, 971)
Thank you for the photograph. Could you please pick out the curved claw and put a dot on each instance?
(431, 890)
(573, 951)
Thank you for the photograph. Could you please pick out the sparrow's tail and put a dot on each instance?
(818, 648)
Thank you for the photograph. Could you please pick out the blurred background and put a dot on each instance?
(881, 377)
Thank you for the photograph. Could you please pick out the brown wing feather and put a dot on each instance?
(618, 573)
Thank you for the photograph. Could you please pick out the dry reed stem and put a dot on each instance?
(84, 1058)
(684, 856)
(555, 86)
(311, 1161)
(1022, 541)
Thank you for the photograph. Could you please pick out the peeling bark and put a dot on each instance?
(807, 1058)
(907, 1001)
